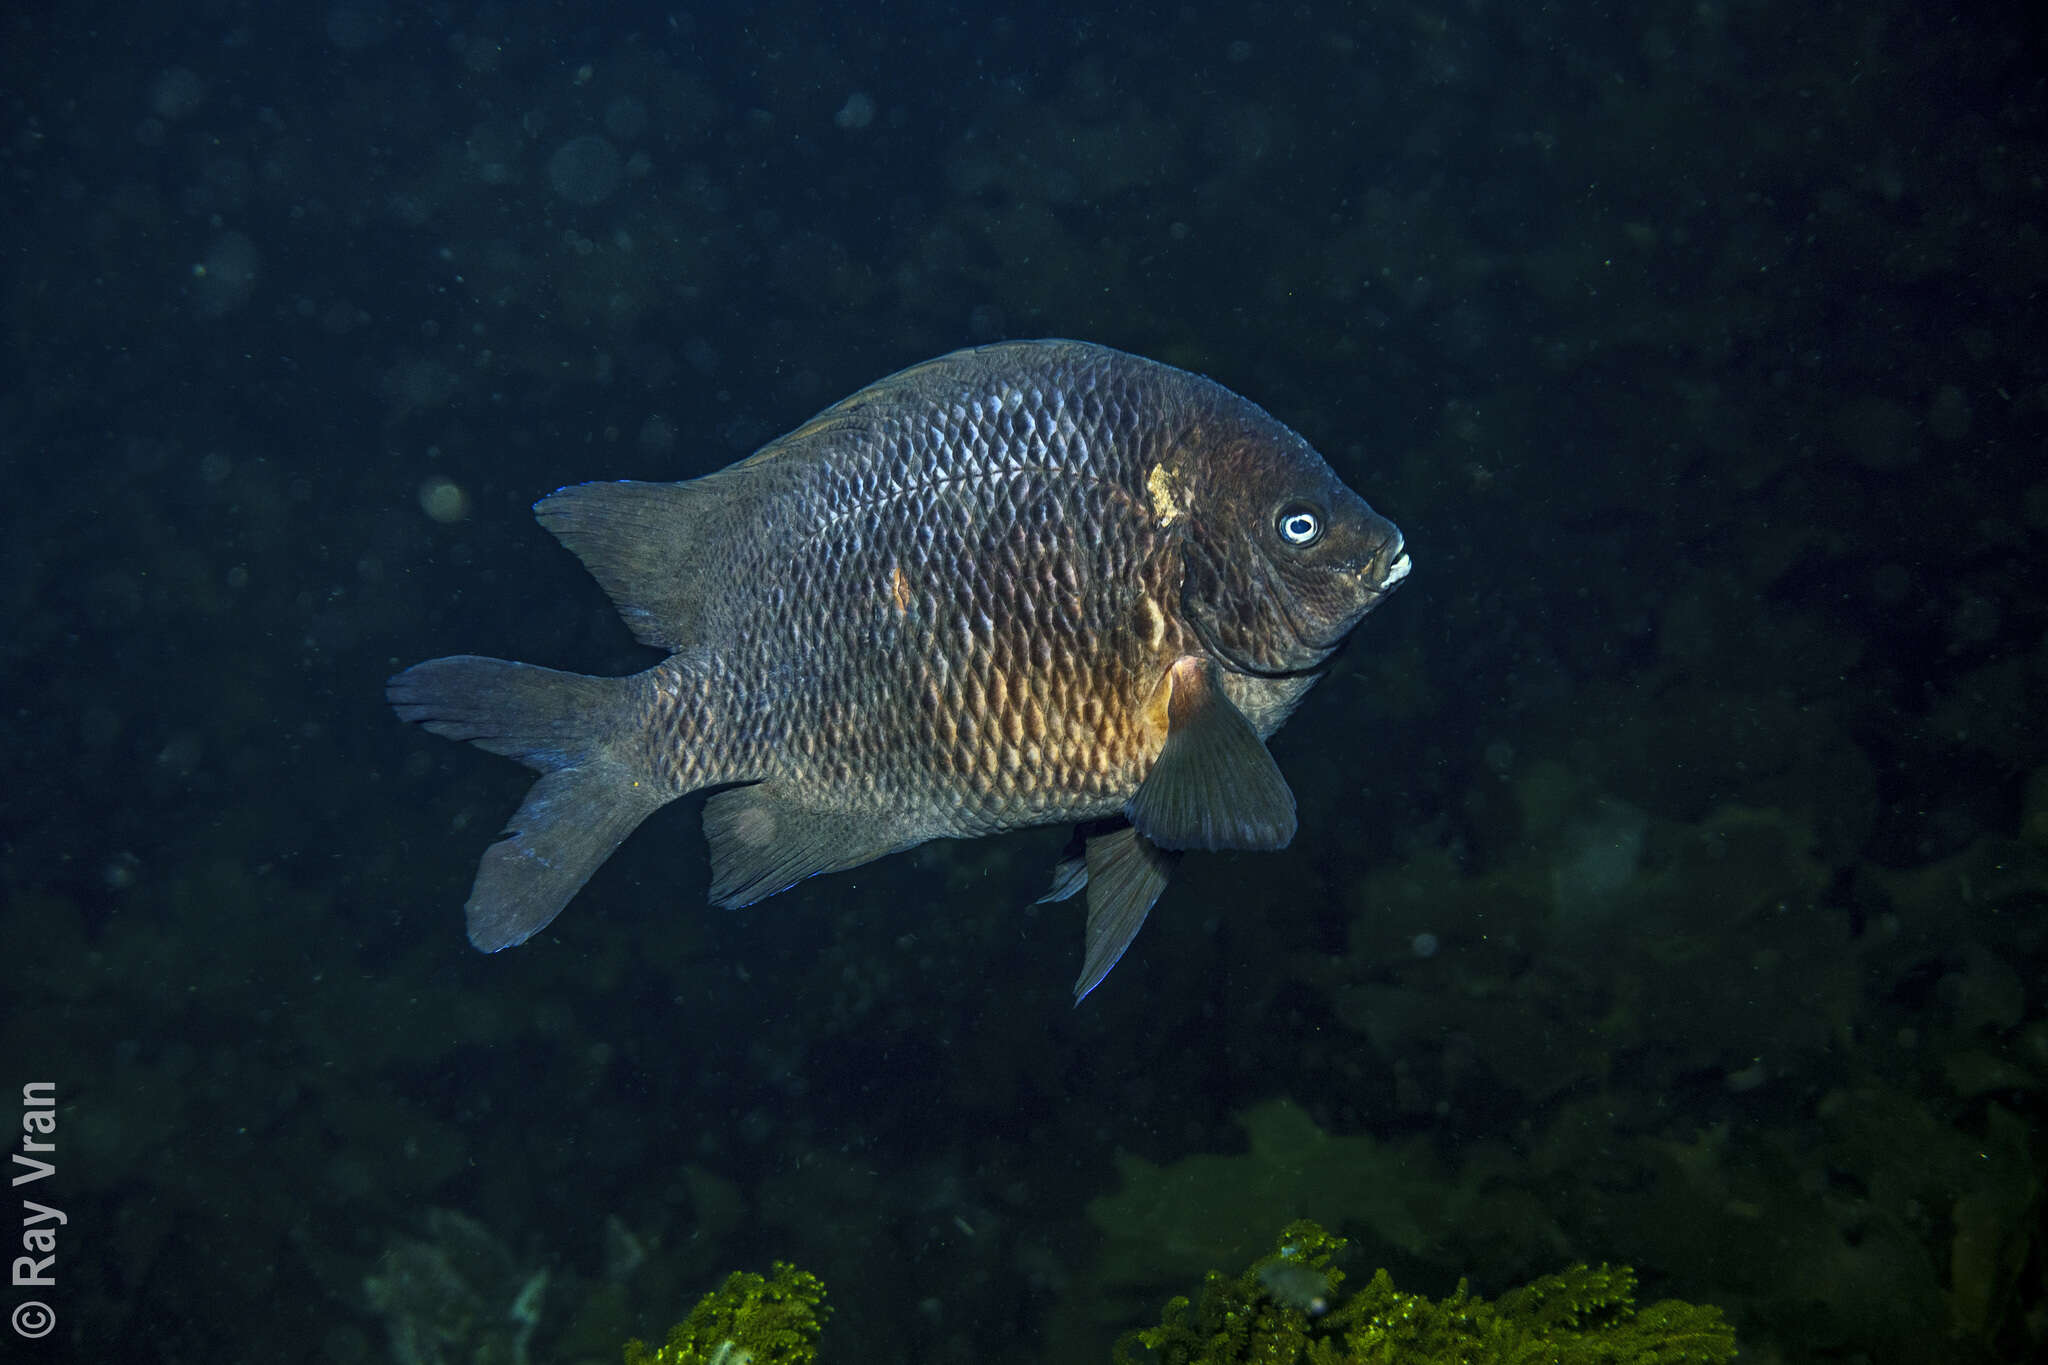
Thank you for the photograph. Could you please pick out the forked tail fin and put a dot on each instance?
(590, 796)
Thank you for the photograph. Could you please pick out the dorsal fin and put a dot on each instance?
(659, 549)
(652, 546)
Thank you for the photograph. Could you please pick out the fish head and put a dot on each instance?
(1283, 558)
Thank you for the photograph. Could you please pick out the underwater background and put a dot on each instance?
(1672, 881)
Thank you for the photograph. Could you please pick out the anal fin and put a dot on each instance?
(764, 841)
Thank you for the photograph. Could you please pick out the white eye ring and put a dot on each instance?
(1300, 527)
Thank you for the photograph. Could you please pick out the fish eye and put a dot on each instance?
(1299, 525)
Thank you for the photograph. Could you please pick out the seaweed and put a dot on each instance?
(748, 1320)
(1286, 1309)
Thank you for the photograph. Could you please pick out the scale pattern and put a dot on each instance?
(955, 604)
(1017, 585)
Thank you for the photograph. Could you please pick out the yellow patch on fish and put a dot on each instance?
(1164, 487)
(1152, 716)
(899, 588)
(1155, 621)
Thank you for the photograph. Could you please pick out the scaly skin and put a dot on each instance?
(960, 599)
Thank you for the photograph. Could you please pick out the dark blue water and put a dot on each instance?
(1672, 883)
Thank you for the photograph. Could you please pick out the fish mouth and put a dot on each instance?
(1377, 578)
(1314, 634)
(1386, 569)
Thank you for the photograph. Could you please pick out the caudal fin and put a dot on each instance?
(589, 797)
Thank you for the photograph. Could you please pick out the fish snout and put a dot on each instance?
(1387, 568)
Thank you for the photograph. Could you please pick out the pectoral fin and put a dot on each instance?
(1125, 874)
(1213, 784)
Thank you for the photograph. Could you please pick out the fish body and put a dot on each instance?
(1022, 584)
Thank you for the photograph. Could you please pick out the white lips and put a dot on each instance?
(1396, 571)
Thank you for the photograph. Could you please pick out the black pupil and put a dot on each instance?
(1298, 526)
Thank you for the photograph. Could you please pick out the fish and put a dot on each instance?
(1028, 583)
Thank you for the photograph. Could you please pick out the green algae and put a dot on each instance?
(1585, 1315)
(748, 1320)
